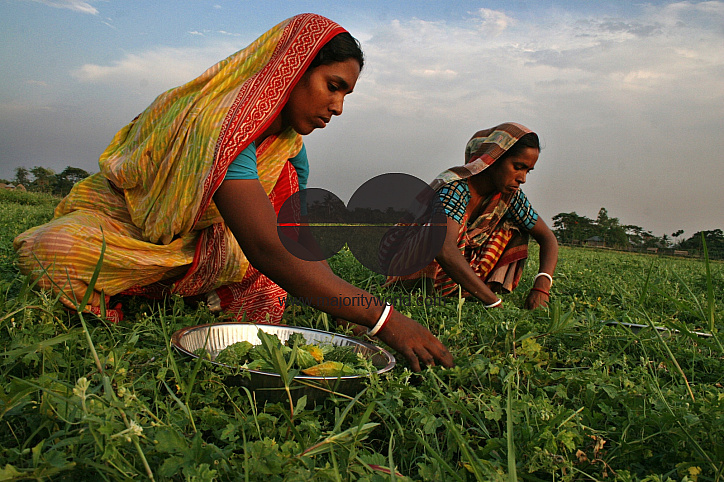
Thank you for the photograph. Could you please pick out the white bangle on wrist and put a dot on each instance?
(545, 275)
(493, 305)
(381, 321)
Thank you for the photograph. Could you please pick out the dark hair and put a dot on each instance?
(343, 46)
(528, 140)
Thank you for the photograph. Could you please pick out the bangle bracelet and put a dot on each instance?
(493, 305)
(382, 320)
(541, 291)
(545, 275)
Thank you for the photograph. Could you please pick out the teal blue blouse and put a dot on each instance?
(244, 166)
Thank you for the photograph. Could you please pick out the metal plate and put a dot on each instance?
(268, 386)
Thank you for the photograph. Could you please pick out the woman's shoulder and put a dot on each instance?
(458, 185)
(453, 198)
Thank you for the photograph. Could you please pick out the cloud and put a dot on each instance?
(438, 73)
(154, 70)
(494, 21)
(75, 5)
(706, 15)
(520, 61)
(13, 108)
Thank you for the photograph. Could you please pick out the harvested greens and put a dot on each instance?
(325, 360)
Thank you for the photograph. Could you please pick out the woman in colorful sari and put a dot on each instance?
(489, 220)
(188, 193)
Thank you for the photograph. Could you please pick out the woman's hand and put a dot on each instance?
(457, 267)
(536, 299)
(414, 342)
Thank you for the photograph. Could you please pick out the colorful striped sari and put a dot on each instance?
(494, 247)
(151, 204)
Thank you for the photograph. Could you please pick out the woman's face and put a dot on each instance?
(510, 173)
(319, 95)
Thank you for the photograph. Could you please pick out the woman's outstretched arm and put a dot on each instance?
(548, 260)
(457, 267)
(249, 215)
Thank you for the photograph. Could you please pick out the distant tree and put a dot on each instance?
(44, 179)
(637, 235)
(602, 219)
(22, 176)
(714, 242)
(569, 227)
(610, 229)
(665, 241)
(675, 237)
(65, 181)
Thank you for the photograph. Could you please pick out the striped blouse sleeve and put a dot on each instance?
(454, 198)
(521, 212)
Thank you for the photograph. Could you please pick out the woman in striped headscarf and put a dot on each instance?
(188, 193)
(489, 219)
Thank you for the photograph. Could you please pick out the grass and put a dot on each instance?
(555, 394)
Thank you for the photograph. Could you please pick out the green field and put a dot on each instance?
(557, 394)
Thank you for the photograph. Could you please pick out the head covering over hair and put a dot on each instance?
(482, 150)
(177, 151)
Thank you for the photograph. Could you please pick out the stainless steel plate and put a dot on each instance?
(268, 386)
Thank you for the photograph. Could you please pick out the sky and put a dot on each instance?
(627, 98)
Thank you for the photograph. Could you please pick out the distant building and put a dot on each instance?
(594, 242)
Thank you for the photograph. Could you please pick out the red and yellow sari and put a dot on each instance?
(152, 201)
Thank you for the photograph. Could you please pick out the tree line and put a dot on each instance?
(45, 180)
(570, 228)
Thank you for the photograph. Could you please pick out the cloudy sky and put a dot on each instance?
(628, 98)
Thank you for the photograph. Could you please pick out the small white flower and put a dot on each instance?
(81, 386)
(135, 429)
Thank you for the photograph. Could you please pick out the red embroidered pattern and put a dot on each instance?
(259, 100)
(263, 95)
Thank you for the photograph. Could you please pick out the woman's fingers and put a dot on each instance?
(412, 360)
(425, 358)
(415, 342)
(429, 356)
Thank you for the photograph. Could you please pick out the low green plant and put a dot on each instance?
(556, 394)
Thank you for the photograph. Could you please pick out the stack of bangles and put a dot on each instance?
(539, 290)
(382, 321)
